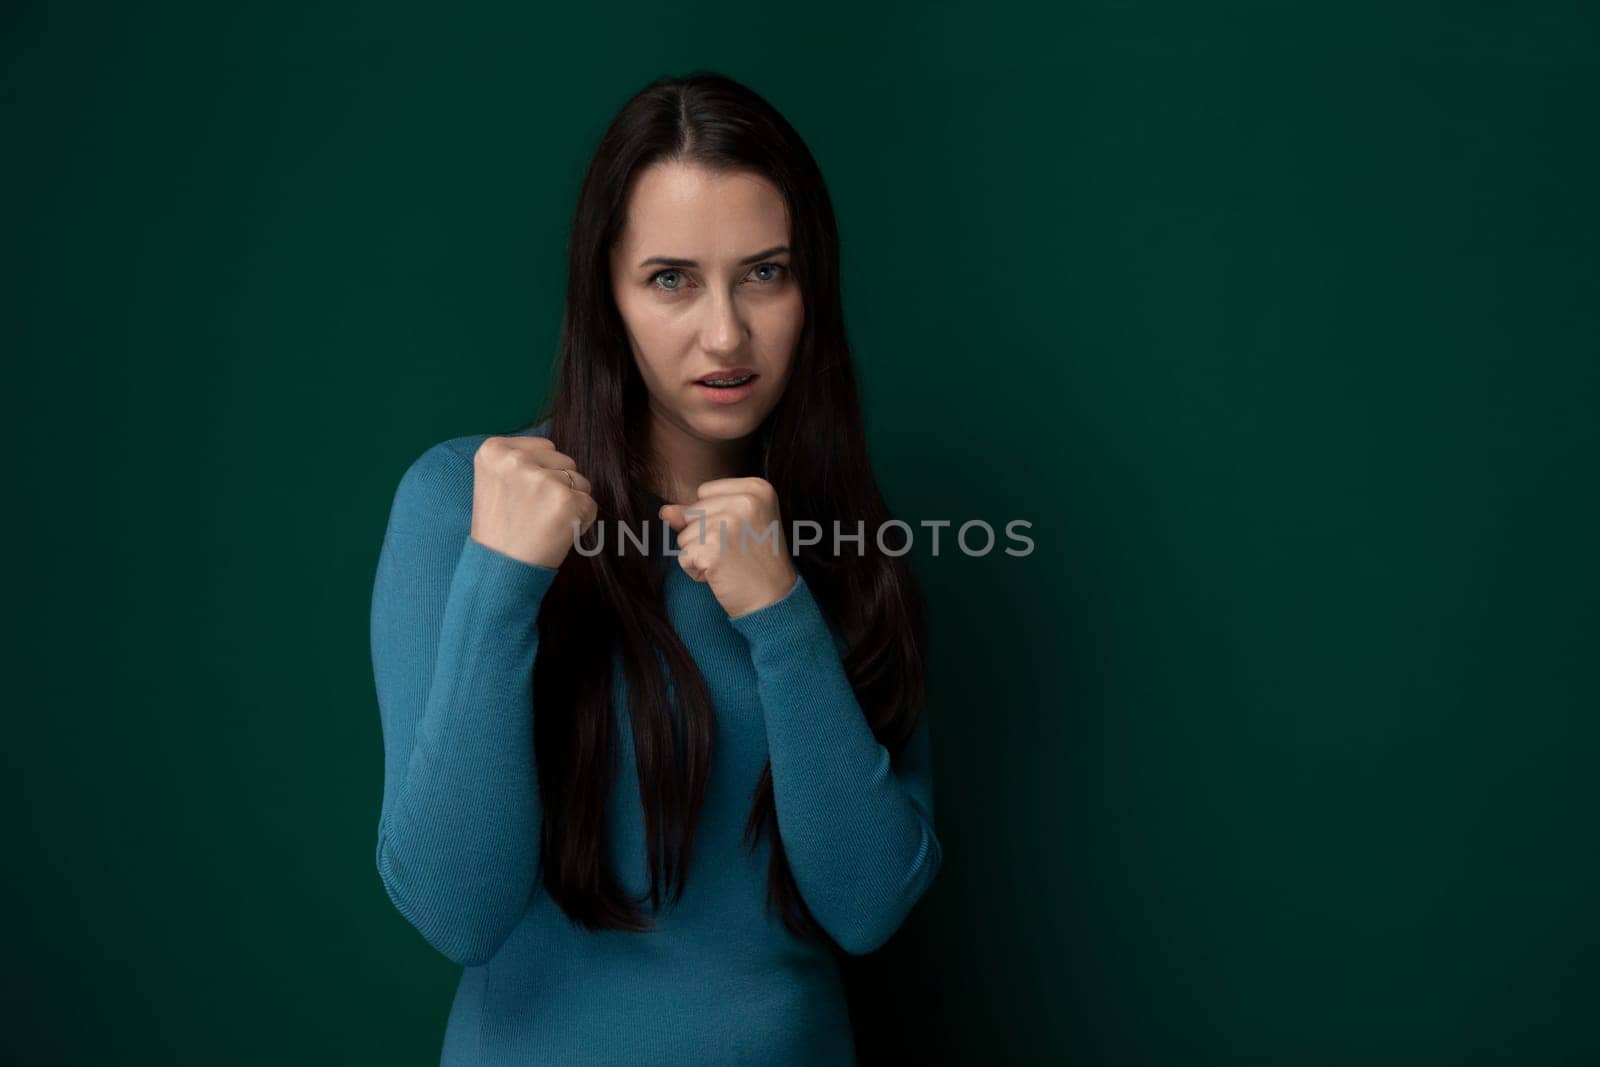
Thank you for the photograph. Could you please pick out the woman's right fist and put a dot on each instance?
(526, 495)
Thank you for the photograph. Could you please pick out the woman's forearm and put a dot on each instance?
(856, 823)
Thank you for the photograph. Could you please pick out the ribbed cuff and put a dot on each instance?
(501, 581)
(794, 616)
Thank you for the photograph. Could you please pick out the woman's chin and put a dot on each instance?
(727, 423)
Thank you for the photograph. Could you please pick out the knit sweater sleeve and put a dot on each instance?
(856, 822)
(454, 636)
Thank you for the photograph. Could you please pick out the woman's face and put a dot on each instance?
(702, 281)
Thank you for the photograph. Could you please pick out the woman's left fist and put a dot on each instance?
(737, 546)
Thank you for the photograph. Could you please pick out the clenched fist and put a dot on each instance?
(744, 574)
(526, 496)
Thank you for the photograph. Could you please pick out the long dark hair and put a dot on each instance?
(811, 447)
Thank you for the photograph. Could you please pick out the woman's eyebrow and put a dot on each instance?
(669, 261)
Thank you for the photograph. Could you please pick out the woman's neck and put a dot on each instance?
(682, 461)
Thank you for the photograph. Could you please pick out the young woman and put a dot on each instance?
(644, 796)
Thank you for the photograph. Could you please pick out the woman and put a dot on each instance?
(644, 796)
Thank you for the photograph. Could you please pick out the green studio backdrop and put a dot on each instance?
(1277, 321)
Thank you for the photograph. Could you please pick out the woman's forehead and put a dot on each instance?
(691, 212)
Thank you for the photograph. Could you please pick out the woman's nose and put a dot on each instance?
(723, 329)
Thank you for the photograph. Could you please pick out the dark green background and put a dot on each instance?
(1277, 320)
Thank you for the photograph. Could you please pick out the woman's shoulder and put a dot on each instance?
(437, 484)
(466, 446)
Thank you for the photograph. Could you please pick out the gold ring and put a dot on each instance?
(570, 483)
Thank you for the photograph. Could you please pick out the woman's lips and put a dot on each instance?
(731, 372)
(726, 394)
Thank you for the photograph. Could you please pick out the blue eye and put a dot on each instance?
(658, 274)
(779, 267)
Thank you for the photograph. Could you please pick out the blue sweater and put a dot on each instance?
(720, 980)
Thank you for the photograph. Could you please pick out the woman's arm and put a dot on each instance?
(856, 823)
(454, 637)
